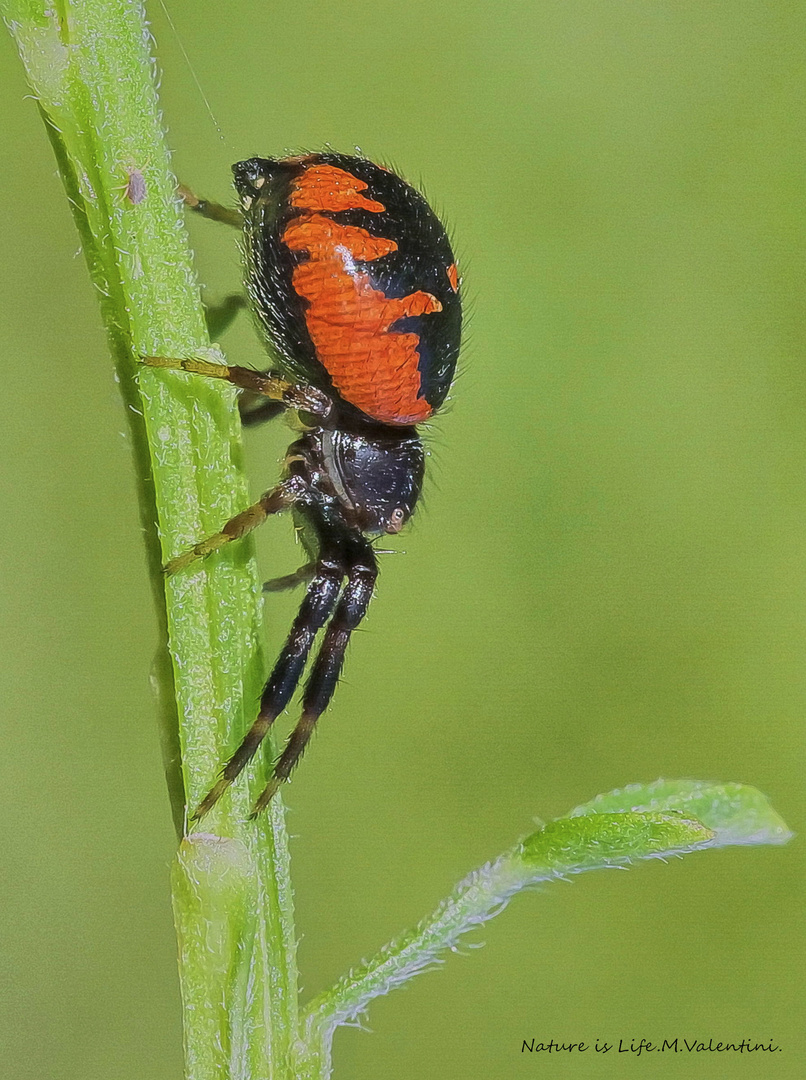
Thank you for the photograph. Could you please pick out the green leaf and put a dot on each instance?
(573, 845)
(737, 813)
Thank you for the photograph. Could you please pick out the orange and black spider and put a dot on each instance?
(352, 279)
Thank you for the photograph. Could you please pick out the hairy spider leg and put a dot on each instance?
(290, 395)
(319, 601)
(252, 415)
(290, 581)
(219, 317)
(212, 210)
(271, 502)
(362, 572)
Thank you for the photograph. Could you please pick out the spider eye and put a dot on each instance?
(396, 520)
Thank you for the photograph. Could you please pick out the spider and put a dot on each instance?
(352, 281)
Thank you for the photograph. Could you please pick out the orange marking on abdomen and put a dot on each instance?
(453, 276)
(324, 187)
(372, 366)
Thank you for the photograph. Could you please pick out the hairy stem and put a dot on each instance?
(89, 65)
(618, 829)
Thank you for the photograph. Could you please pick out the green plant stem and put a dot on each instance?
(90, 69)
(617, 829)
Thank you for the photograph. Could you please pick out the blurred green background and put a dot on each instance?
(607, 583)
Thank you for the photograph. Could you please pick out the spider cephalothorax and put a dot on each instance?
(352, 280)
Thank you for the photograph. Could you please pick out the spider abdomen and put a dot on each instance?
(352, 276)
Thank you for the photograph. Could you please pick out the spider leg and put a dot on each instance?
(320, 599)
(219, 317)
(258, 414)
(292, 395)
(290, 581)
(272, 502)
(211, 210)
(362, 571)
